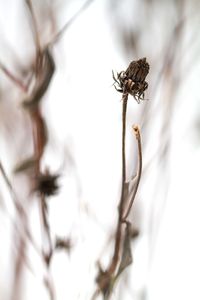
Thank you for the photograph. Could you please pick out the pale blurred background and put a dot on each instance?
(82, 112)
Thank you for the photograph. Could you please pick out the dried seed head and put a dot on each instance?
(132, 81)
(46, 184)
(138, 70)
(63, 244)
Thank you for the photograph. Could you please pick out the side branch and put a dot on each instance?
(138, 137)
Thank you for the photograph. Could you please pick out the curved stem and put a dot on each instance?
(137, 134)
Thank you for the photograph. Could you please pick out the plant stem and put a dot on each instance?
(13, 78)
(35, 27)
(138, 137)
(118, 236)
(124, 110)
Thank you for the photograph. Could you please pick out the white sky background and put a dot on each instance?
(83, 115)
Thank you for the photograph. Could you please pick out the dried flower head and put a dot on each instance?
(63, 244)
(132, 81)
(46, 184)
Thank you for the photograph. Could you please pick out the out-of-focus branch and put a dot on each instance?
(13, 78)
(70, 22)
(34, 27)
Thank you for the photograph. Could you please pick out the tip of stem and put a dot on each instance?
(136, 130)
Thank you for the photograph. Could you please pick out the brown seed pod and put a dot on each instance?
(132, 81)
(46, 184)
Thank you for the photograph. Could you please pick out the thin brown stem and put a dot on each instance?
(13, 78)
(124, 110)
(47, 253)
(17, 204)
(23, 236)
(118, 236)
(43, 75)
(19, 208)
(138, 137)
(19, 263)
(35, 27)
(39, 143)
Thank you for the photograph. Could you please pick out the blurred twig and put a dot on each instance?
(34, 27)
(70, 22)
(13, 78)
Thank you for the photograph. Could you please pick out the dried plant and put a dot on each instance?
(132, 82)
(44, 183)
(171, 61)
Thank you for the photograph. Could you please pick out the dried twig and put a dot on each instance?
(13, 78)
(122, 199)
(138, 137)
(70, 22)
(34, 27)
(131, 82)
